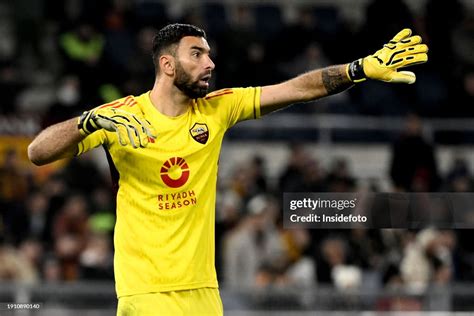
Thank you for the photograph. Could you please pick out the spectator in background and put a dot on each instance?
(247, 180)
(334, 267)
(291, 180)
(248, 245)
(458, 178)
(82, 47)
(56, 191)
(14, 188)
(70, 233)
(72, 219)
(300, 270)
(366, 248)
(14, 267)
(119, 41)
(282, 258)
(428, 259)
(102, 219)
(314, 179)
(339, 178)
(31, 253)
(242, 254)
(413, 166)
(228, 214)
(36, 209)
(257, 171)
(51, 269)
(82, 50)
(67, 250)
(96, 261)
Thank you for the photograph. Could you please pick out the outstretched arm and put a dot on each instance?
(402, 51)
(309, 86)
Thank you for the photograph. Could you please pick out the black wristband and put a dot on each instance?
(355, 71)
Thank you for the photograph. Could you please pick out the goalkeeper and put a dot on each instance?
(163, 148)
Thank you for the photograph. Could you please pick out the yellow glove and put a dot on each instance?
(402, 51)
(129, 127)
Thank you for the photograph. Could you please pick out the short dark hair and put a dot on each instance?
(171, 35)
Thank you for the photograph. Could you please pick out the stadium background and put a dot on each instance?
(58, 58)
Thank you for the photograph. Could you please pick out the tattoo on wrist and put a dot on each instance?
(335, 79)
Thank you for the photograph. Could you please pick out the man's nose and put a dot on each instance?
(210, 64)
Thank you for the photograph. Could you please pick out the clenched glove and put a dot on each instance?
(402, 51)
(129, 127)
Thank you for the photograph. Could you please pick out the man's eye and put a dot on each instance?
(196, 54)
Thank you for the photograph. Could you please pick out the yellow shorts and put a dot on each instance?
(203, 301)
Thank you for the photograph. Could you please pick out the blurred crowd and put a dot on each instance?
(58, 58)
(61, 228)
(257, 252)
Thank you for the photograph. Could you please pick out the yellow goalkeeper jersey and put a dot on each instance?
(164, 234)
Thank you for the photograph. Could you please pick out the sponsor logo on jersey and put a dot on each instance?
(175, 172)
(200, 132)
(170, 201)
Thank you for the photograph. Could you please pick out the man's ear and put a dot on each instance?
(167, 64)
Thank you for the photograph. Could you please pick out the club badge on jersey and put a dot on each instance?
(200, 132)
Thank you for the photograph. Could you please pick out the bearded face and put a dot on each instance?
(192, 87)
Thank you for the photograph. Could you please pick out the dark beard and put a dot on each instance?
(184, 83)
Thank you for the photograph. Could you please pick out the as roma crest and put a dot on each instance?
(200, 132)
